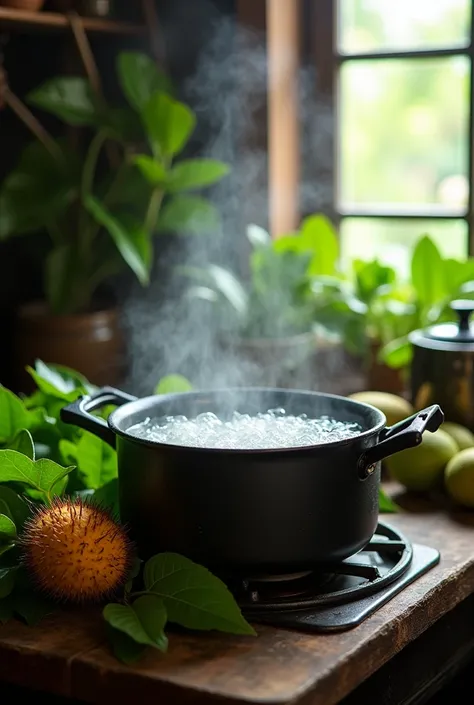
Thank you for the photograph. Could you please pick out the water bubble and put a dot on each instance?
(271, 429)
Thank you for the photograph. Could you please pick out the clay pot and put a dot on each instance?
(27, 5)
(90, 343)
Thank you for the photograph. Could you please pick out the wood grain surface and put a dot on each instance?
(67, 654)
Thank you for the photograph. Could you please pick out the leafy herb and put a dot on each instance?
(42, 475)
(7, 528)
(13, 506)
(144, 621)
(31, 607)
(124, 647)
(386, 504)
(14, 416)
(23, 443)
(193, 597)
(96, 461)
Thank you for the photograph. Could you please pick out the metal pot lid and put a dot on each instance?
(457, 332)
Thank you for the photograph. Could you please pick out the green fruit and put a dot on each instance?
(421, 468)
(395, 408)
(459, 477)
(462, 435)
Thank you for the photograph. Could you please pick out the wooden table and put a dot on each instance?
(67, 655)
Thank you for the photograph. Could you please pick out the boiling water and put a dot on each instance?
(271, 429)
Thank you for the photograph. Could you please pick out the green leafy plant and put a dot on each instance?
(372, 304)
(101, 212)
(276, 300)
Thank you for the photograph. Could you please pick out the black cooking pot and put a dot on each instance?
(248, 510)
(443, 365)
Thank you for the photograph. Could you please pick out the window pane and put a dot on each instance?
(392, 240)
(404, 131)
(384, 25)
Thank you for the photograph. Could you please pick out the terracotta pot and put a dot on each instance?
(90, 343)
(382, 378)
(27, 5)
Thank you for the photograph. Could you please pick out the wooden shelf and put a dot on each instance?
(21, 20)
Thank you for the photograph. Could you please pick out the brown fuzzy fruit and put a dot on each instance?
(75, 551)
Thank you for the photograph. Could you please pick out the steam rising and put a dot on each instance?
(165, 334)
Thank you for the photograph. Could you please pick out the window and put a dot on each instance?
(405, 126)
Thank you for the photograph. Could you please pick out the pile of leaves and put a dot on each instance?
(42, 458)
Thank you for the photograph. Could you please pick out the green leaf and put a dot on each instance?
(317, 235)
(41, 475)
(60, 274)
(152, 169)
(386, 504)
(124, 240)
(23, 443)
(370, 278)
(96, 460)
(140, 78)
(427, 272)
(124, 648)
(169, 124)
(59, 382)
(6, 609)
(134, 572)
(38, 190)
(188, 214)
(107, 497)
(14, 506)
(173, 384)
(32, 607)
(67, 97)
(7, 581)
(193, 597)
(195, 173)
(144, 621)
(397, 353)
(7, 528)
(14, 416)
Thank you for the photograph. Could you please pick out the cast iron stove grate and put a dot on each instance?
(338, 597)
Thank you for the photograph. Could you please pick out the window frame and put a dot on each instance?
(403, 212)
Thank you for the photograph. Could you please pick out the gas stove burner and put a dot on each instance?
(285, 578)
(337, 596)
(381, 562)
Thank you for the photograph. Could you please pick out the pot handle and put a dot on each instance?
(79, 412)
(404, 434)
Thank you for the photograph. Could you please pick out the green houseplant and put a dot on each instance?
(373, 309)
(265, 320)
(101, 210)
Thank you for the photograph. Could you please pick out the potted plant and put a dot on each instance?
(265, 321)
(373, 309)
(101, 210)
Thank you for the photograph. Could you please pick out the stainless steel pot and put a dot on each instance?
(443, 366)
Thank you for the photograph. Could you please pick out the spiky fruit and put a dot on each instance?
(75, 551)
